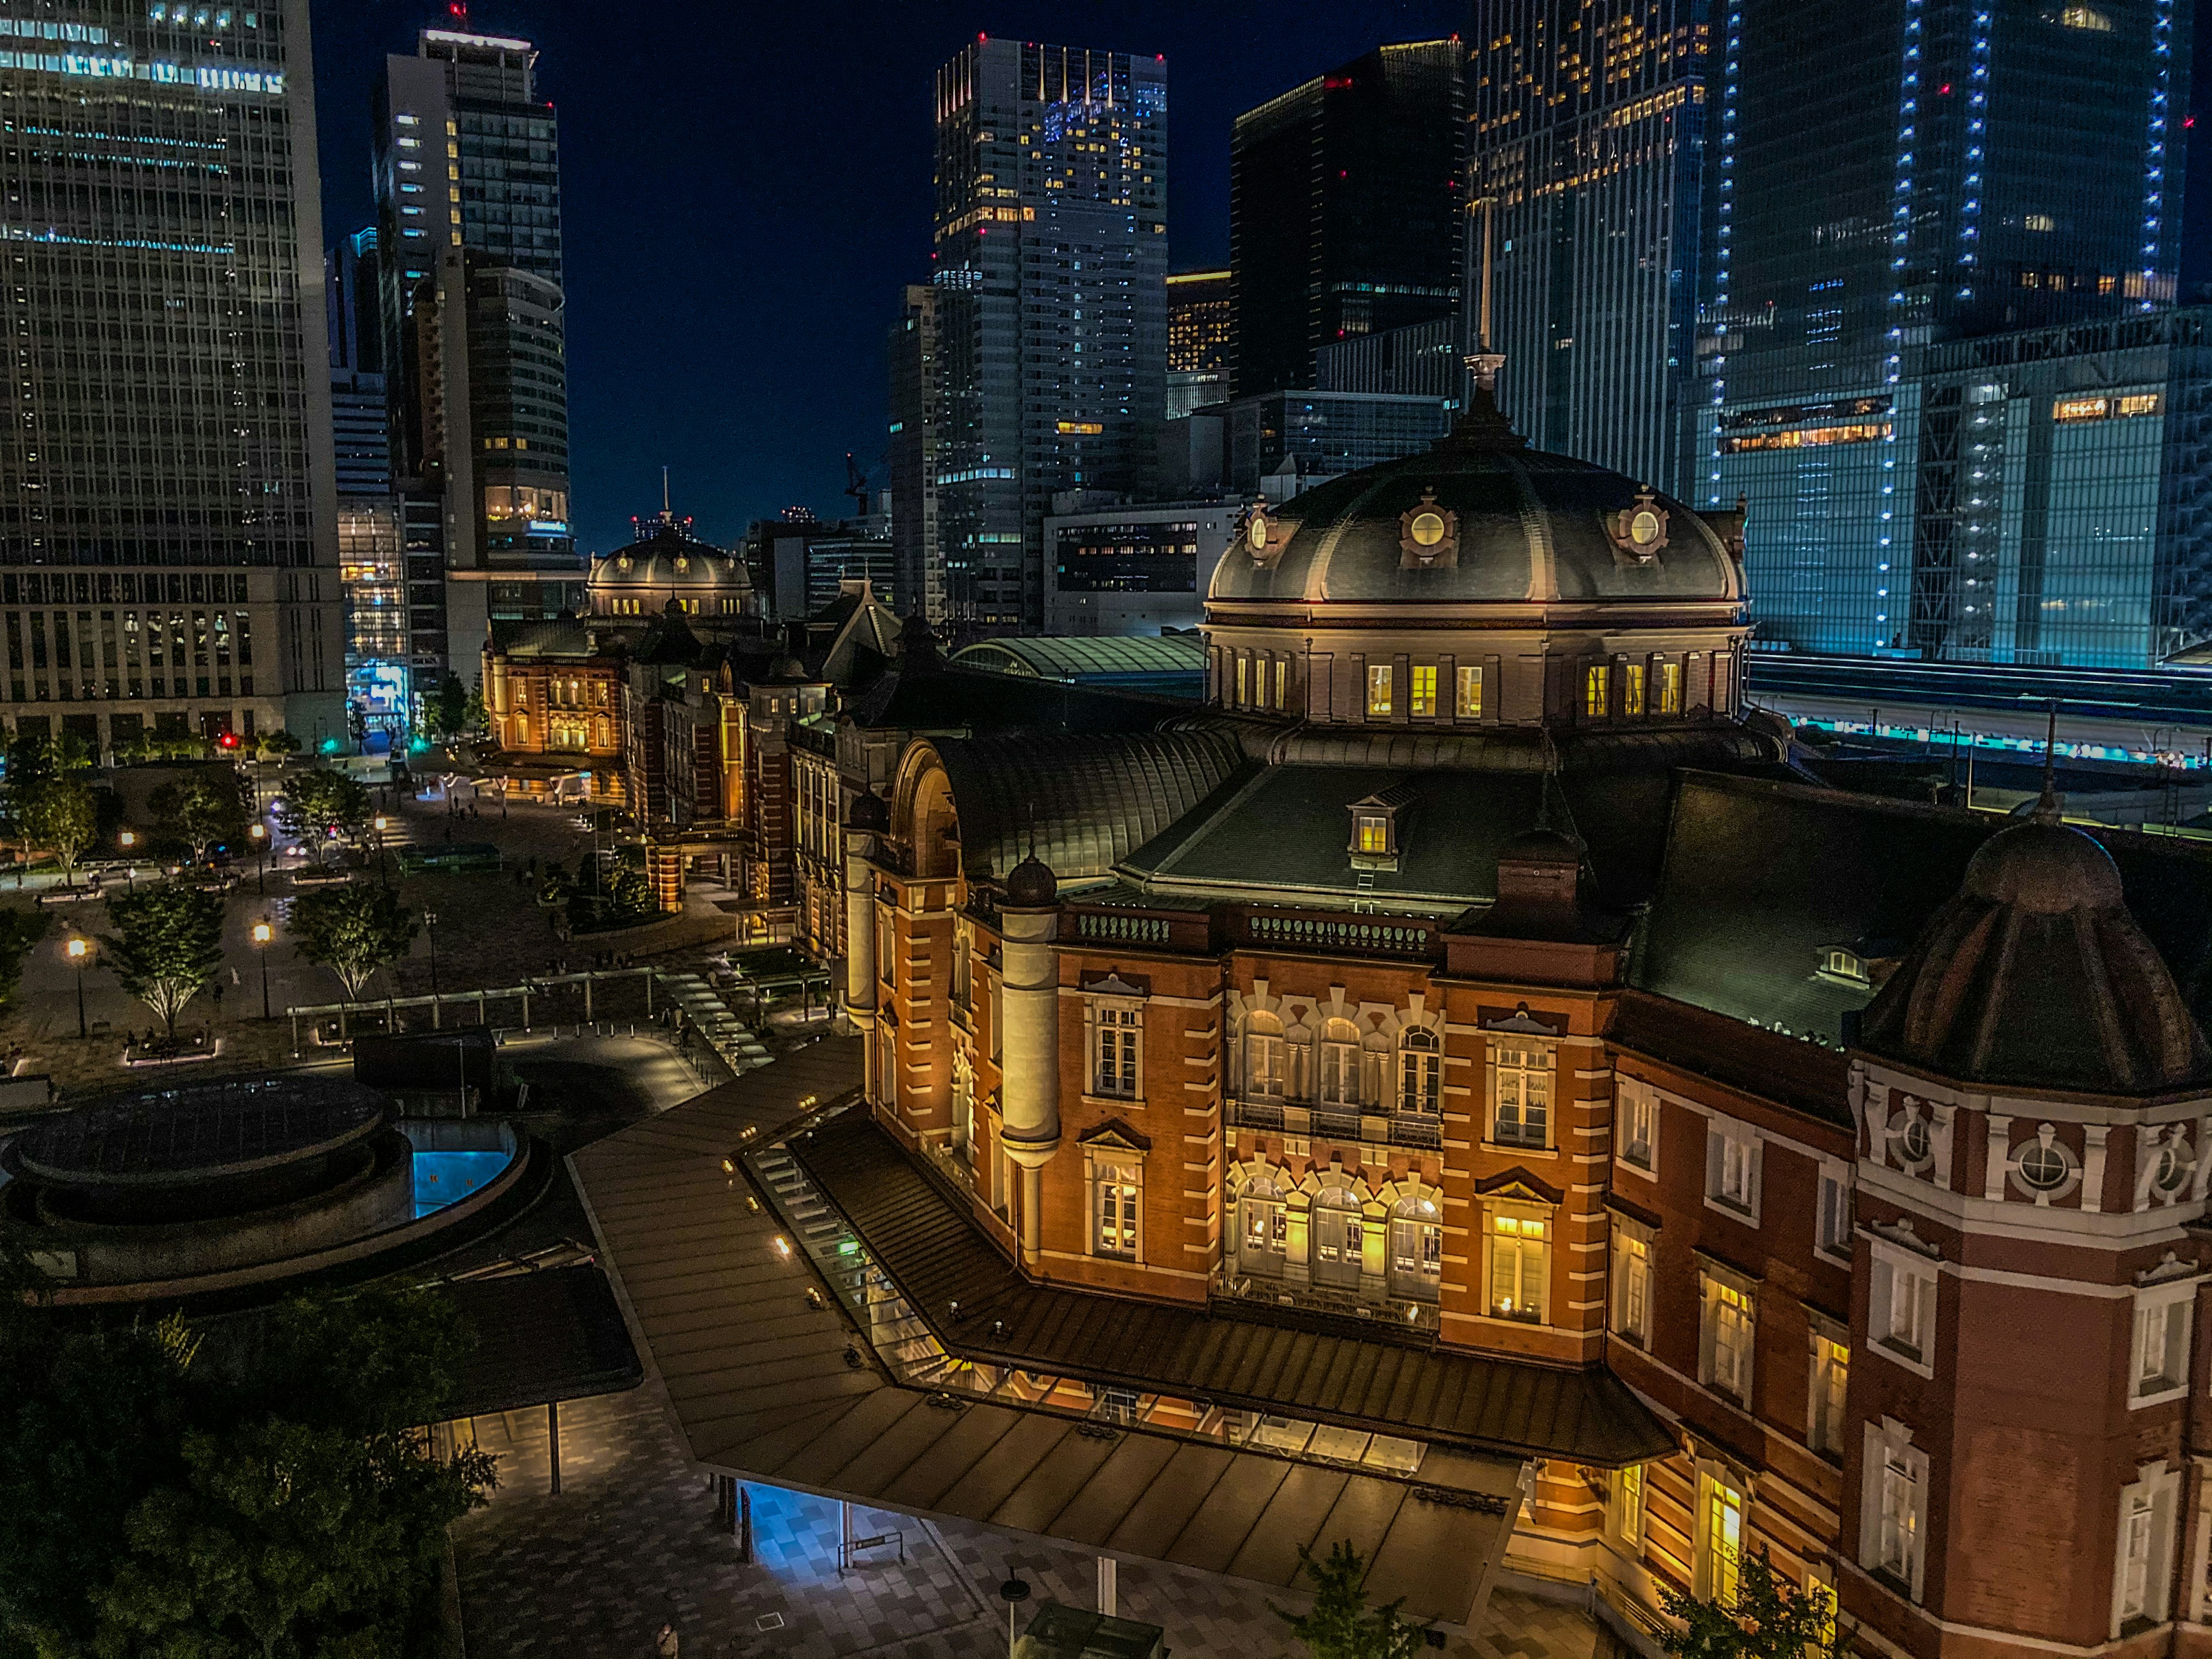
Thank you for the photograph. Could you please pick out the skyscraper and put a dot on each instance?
(1587, 139)
(1891, 177)
(370, 563)
(168, 555)
(1201, 322)
(915, 385)
(1343, 211)
(1051, 256)
(469, 221)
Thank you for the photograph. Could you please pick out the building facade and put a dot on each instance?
(916, 424)
(1049, 302)
(163, 566)
(1312, 435)
(1850, 254)
(1201, 323)
(1588, 136)
(1855, 1208)
(1132, 569)
(1421, 359)
(1345, 204)
(467, 177)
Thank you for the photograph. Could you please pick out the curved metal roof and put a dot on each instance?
(1071, 657)
(1082, 803)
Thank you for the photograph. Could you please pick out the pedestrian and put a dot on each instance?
(233, 977)
(664, 1644)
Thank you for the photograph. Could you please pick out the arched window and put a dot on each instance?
(1417, 1249)
(1264, 1070)
(1339, 1238)
(1264, 1232)
(1420, 1071)
(1340, 1063)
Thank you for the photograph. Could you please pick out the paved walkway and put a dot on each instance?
(630, 1541)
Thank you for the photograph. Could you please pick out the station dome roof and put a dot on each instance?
(666, 558)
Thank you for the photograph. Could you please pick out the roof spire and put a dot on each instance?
(2047, 806)
(666, 513)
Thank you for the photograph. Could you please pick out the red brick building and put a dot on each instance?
(1811, 1173)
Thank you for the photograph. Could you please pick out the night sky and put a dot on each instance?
(746, 185)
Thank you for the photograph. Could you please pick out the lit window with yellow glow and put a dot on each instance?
(1282, 679)
(1520, 1259)
(1378, 691)
(1374, 836)
(1631, 689)
(1468, 707)
(1597, 691)
(1425, 689)
(1243, 673)
(1670, 687)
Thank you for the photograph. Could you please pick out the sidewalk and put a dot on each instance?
(630, 1541)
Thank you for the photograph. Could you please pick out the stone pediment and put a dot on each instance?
(1115, 1135)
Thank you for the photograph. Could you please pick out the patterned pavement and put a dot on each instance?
(630, 1541)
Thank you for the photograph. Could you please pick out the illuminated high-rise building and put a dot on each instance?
(1343, 211)
(469, 224)
(168, 550)
(1051, 256)
(371, 567)
(1201, 324)
(1586, 124)
(1889, 182)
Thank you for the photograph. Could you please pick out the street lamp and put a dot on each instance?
(430, 926)
(377, 826)
(79, 951)
(261, 835)
(127, 839)
(263, 933)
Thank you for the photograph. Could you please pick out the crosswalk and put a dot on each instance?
(703, 1007)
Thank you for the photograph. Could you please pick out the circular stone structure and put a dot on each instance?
(208, 1178)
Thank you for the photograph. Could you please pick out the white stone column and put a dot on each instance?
(1030, 1056)
(860, 950)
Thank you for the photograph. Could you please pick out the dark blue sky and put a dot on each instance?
(747, 185)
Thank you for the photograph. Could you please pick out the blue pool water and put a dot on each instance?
(444, 1178)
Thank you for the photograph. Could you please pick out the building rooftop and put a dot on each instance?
(1145, 661)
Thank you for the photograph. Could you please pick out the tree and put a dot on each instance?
(1341, 1625)
(274, 745)
(1769, 1618)
(59, 815)
(159, 1504)
(316, 802)
(206, 808)
(445, 711)
(352, 931)
(169, 943)
(19, 930)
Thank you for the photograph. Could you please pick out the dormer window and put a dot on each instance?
(1377, 823)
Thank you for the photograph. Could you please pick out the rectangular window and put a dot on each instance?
(1834, 1221)
(1243, 672)
(1282, 679)
(1670, 687)
(1374, 836)
(1897, 1544)
(1632, 1287)
(1720, 1538)
(1116, 1213)
(1637, 1110)
(1732, 1167)
(1469, 706)
(1425, 689)
(2161, 1347)
(1519, 1258)
(1631, 689)
(1901, 1307)
(886, 939)
(1597, 692)
(1628, 1505)
(1378, 692)
(1263, 1066)
(1119, 1051)
(1831, 1364)
(1523, 1106)
(1728, 1340)
(2138, 1515)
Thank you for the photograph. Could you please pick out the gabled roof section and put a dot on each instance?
(1082, 804)
(863, 635)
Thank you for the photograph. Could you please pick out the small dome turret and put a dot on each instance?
(871, 814)
(1031, 885)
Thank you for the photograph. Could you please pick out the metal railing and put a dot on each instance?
(1337, 1123)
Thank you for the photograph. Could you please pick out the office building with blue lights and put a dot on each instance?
(1933, 354)
(1047, 318)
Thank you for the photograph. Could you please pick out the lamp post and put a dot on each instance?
(126, 840)
(430, 926)
(377, 825)
(259, 833)
(79, 951)
(263, 933)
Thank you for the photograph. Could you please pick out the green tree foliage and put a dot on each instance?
(352, 931)
(274, 745)
(1341, 1625)
(1769, 1619)
(19, 930)
(168, 944)
(315, 803)
(59, 815)
(446, 712)
(206, 809)
(154, 1503)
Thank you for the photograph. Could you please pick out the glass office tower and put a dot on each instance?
(1588, 121)
(469, 224)
(1050, 264)
(168, 553)
(1343, 211)
(1201, 321)
(1891, 179)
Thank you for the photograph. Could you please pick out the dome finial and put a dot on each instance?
(2047, 806)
